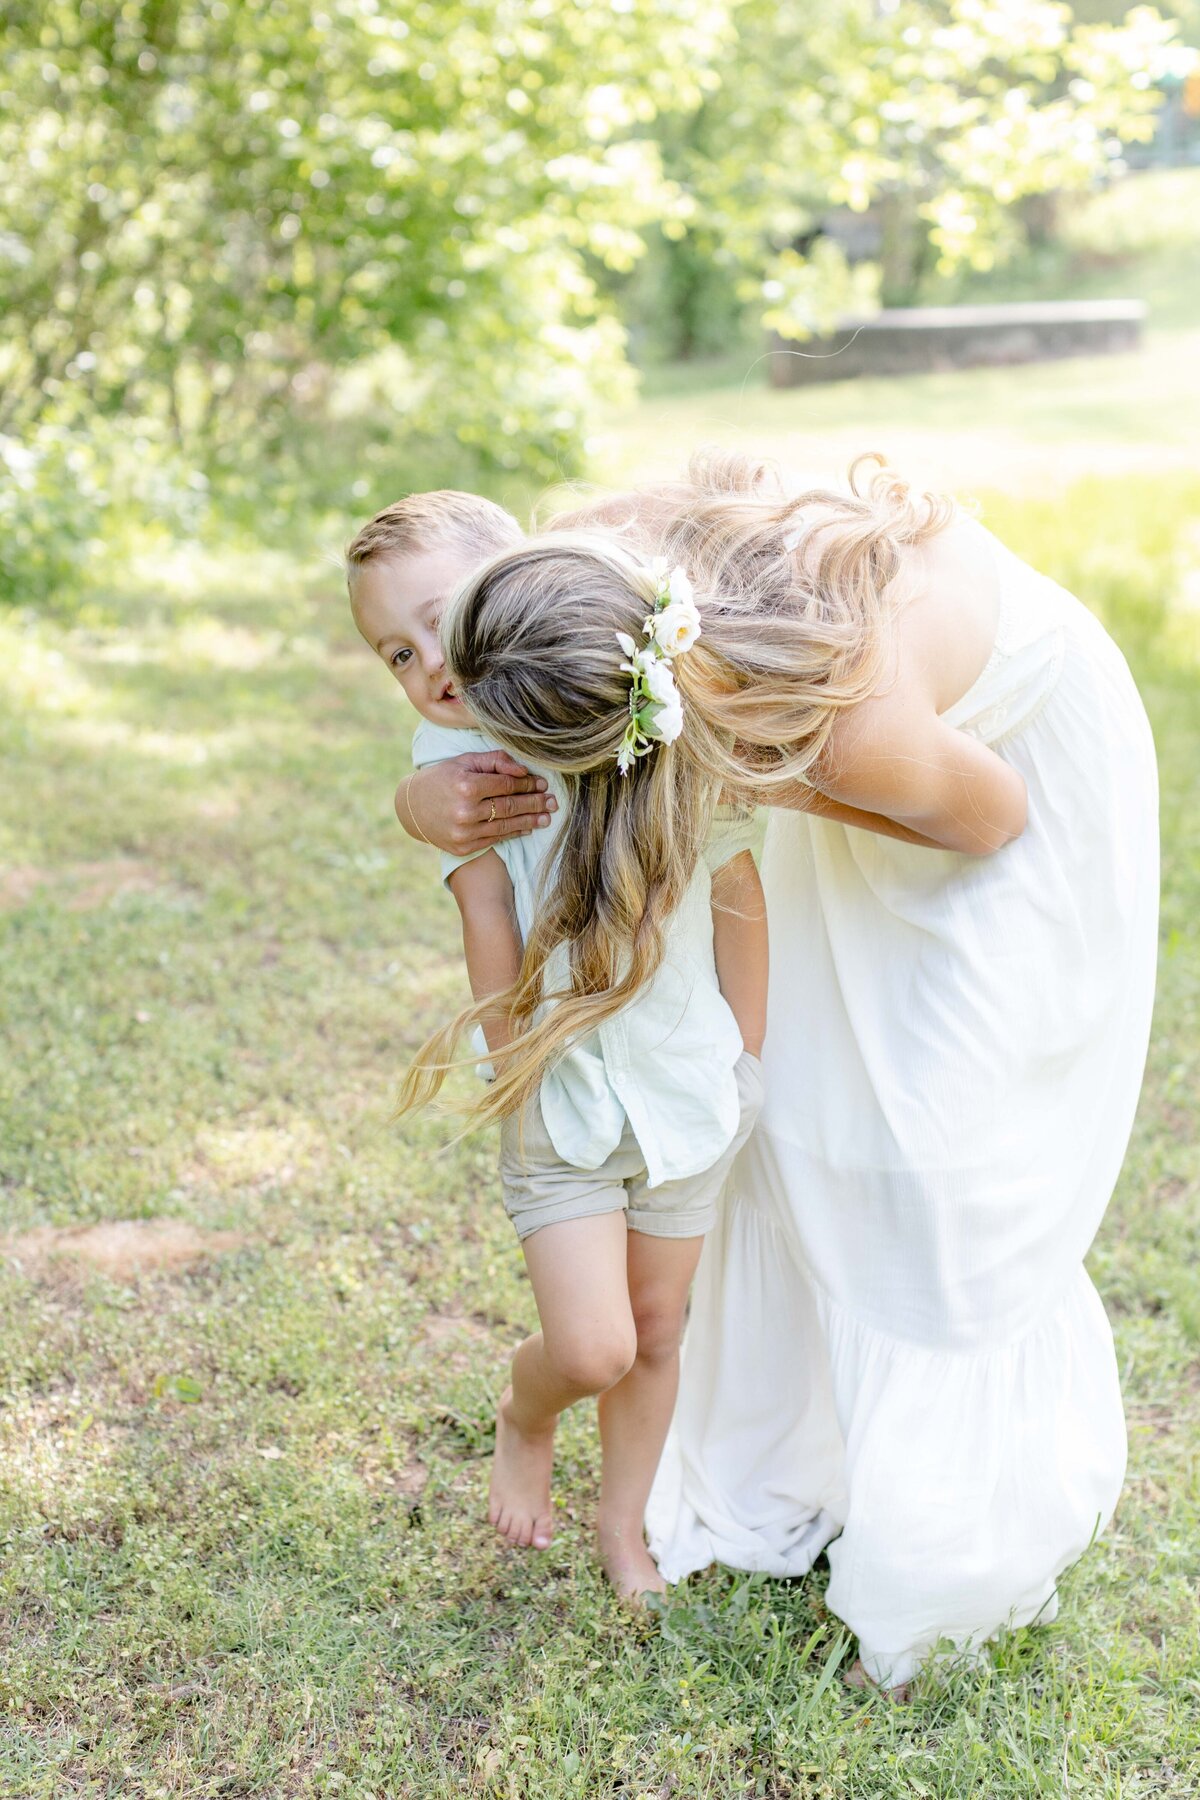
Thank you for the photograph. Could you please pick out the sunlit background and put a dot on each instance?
(269, 266)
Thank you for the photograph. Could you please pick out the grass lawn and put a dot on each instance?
(245, 1436)
(1037, 426)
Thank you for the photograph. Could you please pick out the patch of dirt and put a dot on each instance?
(124, 1248)
(440, 1328)
(1157, 1420)
(217, 806)
(254, 1156)
(18, 885)
(410, 1480)
(84, 886)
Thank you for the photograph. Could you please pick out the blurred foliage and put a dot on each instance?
(44, 541)
(1158, 211)
(1139, 235)
(73, 502)
(211, 208)
(307, 257)
(940, 115)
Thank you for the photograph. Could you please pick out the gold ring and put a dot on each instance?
(492, 814)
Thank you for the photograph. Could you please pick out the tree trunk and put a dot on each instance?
(903, 234)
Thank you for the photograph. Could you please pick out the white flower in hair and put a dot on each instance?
(639, 660)
(674, 624)
(660, 683)
(668, 721)
(677, 627)
(679, 588)
(655, 707)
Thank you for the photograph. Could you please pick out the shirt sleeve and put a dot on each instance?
(438, 743)
(735, 829)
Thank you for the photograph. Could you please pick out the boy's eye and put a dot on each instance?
(399, 658)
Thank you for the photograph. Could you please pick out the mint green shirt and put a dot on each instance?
(666, 1060)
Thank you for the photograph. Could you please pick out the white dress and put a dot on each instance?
(894, 1349)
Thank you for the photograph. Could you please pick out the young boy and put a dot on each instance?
(611, 1295)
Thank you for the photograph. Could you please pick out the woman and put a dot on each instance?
(894, 1347)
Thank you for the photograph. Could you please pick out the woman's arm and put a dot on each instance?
(740, 946)
(468, 802)
(797, 796)
(895, 768)
(491, 938)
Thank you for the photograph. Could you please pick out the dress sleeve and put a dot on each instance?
(735, 828)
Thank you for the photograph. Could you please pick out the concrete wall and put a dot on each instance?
(920, 338)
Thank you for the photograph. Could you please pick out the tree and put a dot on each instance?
(224, 226)
(211, 209)
(941, 115)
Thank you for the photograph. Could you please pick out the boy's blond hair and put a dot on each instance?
(443, 519)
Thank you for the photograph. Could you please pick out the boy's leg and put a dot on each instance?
(666, 1227)
(635, 1414)
(587, 1342)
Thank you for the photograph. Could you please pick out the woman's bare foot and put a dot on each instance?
(628, 1564)
(857, 1677)
(519, 1494)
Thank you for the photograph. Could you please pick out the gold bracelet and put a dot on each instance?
(412, 812)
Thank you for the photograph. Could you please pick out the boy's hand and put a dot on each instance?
(468, 802)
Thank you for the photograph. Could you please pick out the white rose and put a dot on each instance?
(680, 588)
(660, 683)
(668, 723)
(677, 626)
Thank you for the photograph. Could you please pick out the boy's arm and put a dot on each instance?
(491, 937)
(740, 945)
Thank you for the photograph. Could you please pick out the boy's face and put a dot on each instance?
(397, 603)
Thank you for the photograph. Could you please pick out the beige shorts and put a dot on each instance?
(541, 1189)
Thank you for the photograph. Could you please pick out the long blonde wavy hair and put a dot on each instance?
(797, 595)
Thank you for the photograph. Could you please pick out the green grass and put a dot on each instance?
(1037, 426)
(240, 1502)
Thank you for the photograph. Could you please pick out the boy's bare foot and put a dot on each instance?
(628, 1564)
(519, 1495)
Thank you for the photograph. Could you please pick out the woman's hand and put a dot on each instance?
(468, 802)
